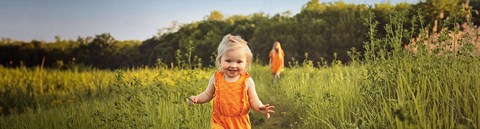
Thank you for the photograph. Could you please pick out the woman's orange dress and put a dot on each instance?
(230, 103)
(276, 61)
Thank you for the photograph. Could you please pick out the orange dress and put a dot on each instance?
(230, 103)
(276, 61)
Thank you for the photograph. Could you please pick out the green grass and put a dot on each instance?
(421, 93)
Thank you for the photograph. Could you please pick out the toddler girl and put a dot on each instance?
(231, 87)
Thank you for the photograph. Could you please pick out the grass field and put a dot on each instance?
(430, 92)
(304, 97)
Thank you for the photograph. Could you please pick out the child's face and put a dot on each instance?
(233, 62)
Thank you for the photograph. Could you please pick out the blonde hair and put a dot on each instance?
(230, 42)
(280, 50)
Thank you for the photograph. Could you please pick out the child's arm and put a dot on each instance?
(255, 102)
(282, 60)
(270, 61)
(206, 95)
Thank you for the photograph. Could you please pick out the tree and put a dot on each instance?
(313, 5)
(102, 41)
(215, 16)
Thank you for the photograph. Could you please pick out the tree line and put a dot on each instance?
(321, 32)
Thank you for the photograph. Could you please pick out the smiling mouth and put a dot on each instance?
(232, 70)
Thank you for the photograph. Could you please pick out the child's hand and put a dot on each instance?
(192, 100)
(266, 110)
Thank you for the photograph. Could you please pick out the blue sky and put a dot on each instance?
(126, 19)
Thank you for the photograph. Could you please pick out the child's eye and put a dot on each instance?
(239, 61)
(228, 61)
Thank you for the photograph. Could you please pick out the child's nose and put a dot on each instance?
(233, 65)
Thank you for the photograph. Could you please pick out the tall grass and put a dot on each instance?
(142, 98)
(23, 90)
(420, 90)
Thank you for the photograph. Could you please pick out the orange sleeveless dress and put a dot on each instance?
(276, 61)
(230, 103)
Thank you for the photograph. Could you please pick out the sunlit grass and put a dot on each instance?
(306, 97)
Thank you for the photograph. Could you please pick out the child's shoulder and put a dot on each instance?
(249, 81)
(212, 78)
